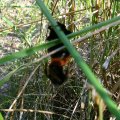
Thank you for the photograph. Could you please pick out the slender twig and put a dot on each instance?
(30, 110)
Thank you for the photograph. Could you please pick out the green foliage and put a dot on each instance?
(23, 48)
(1, 117)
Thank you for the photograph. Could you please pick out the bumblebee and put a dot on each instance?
(55, 69)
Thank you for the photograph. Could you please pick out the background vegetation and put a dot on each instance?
(26, 93)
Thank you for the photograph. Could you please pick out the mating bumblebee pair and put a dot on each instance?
(55, 69)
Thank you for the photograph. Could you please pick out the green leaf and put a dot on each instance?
(27, 52)
(7, 78)
(1, 117)
(8, 21)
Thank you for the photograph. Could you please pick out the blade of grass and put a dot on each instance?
(7, 77)
(7, 21)
(1, 117)
(26, 52)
